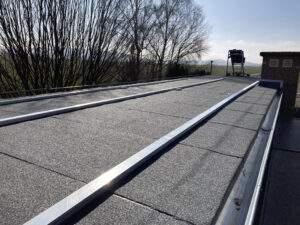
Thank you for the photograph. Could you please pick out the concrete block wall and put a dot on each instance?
(283, 66)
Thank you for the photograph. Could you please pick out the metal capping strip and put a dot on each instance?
(52, 112)
(57, 95)
(92, 87)
(78, 199)
(256, 193)
(237, 203)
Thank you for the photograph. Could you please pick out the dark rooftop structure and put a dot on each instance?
(284, 66)
(280, 53)
(281, 196)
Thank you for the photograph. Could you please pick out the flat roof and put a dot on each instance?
(44, 160)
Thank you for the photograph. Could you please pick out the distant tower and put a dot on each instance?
(237, 57)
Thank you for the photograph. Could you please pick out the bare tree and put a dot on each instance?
(140, 18)
(165, 25)
(106, 40)
(189, 38)
(57, 43)
(180, 32)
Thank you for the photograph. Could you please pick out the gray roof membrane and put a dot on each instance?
(186, 182)
(46, 159)
(120, 211)
(239, 119)
(248, 108)
(224, 139)
(46, 104)
(27, 189)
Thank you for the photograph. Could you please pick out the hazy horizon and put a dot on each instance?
(254, 26)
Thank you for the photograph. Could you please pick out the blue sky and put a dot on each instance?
(254, 26)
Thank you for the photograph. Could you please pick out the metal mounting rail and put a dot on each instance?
(243, 197)
(73, 203)
(255, 197)
(77, 92)
(57, 111)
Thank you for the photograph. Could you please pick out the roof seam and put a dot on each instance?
(184, 117)
(42, 167)
(222, 123)
(162, 114)
(250, 102)
(210, 150)
(58, 117)
(195, 105)
(236, 110)
(153, 208)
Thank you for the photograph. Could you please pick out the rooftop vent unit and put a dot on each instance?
(237, 58)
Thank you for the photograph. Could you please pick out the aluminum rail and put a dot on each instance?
(73, 88)
(255, 197)
(238, 201)
(95, 89)
(71, 204)
(57, 111)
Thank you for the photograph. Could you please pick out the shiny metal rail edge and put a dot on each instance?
(57, 111)
(240, 205)
(255, 197)
(78, 92)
